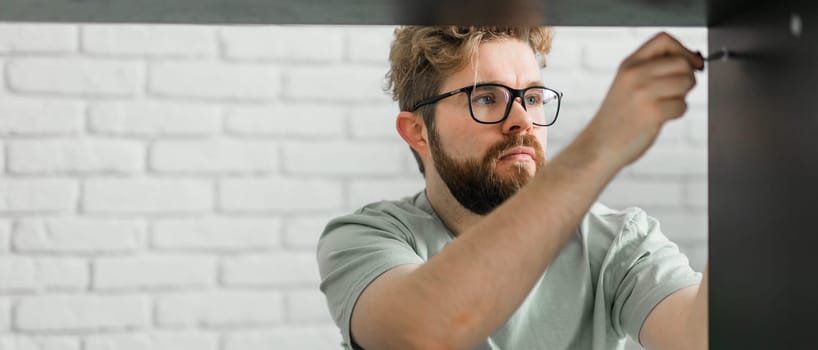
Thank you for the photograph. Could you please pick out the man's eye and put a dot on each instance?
(484, 100)
(533, 100)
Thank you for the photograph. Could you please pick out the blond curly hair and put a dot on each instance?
(422, 57)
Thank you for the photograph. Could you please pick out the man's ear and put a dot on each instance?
(412, 129)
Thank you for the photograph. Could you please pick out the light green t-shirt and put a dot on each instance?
(613, 271)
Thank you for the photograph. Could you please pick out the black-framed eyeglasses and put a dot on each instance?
(490, 103)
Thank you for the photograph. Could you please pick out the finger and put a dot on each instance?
(669, 65)
(663, 44)
(674, 86)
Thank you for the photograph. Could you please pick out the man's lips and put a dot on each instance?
(518, 153)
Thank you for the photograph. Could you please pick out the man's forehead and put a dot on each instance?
(508, 62)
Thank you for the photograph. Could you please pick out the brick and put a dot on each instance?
(154, 118)
(336, 84)
(278, 268)
(147, 196)
(303, 337)
(5, 235)
(74, 76)
(214, 80)
(37, 116)
(369, 44)
(363, 192)
(672, 161)
(285, 120)
(304, 231)
(78, 235)
(628, 192)
(338, 158)
(154, 272)
(217, 233)
(279, 194)
(75, 156)
(149, 40)
(5, 315)
(82, 312)
(28, 342)
(307, 306)
(376, 122)
(37, 38)
(214, 156)
(696, 194)
(17, 195)
(175, 340)
(21, 273)
(301, 44)
(223, 308)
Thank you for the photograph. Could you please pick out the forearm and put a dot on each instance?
(477, 282)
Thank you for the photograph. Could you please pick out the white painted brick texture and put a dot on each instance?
(33, 195)
(154, 41)
(298, 337)
(78, 235)
(147, 195)
(154, 119)
(74, 76)
(39, 116)
(285, 268)
(23, 273)
(213, 80)
(163, 187)
(82, 312)
(299, 44)
(39, 343)
(38, 38)
(133, 272)
(220, 309)
(214, 156)
(5, 315)
(158, 340)
(299, 121)
(217, 233)
(75, 155)
(5, 235)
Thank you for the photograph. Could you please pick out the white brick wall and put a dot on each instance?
(163, 187)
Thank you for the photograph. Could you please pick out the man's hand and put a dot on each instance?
(649, 89)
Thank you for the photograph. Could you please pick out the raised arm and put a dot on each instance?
(461, 295)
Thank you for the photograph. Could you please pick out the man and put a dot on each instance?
(504, 250)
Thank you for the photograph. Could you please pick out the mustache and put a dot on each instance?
(512, 141)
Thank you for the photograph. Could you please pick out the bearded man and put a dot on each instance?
(505, 249)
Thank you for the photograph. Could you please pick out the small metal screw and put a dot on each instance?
(796, 25)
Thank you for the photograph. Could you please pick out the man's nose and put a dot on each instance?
(518, 120)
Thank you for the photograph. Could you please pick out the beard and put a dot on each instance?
(475, 183)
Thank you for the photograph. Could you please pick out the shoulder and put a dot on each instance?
(398, 215)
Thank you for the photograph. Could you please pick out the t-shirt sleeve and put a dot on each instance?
(642, 268)
(352, 252)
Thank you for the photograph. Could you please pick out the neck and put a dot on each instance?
(456, 217)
